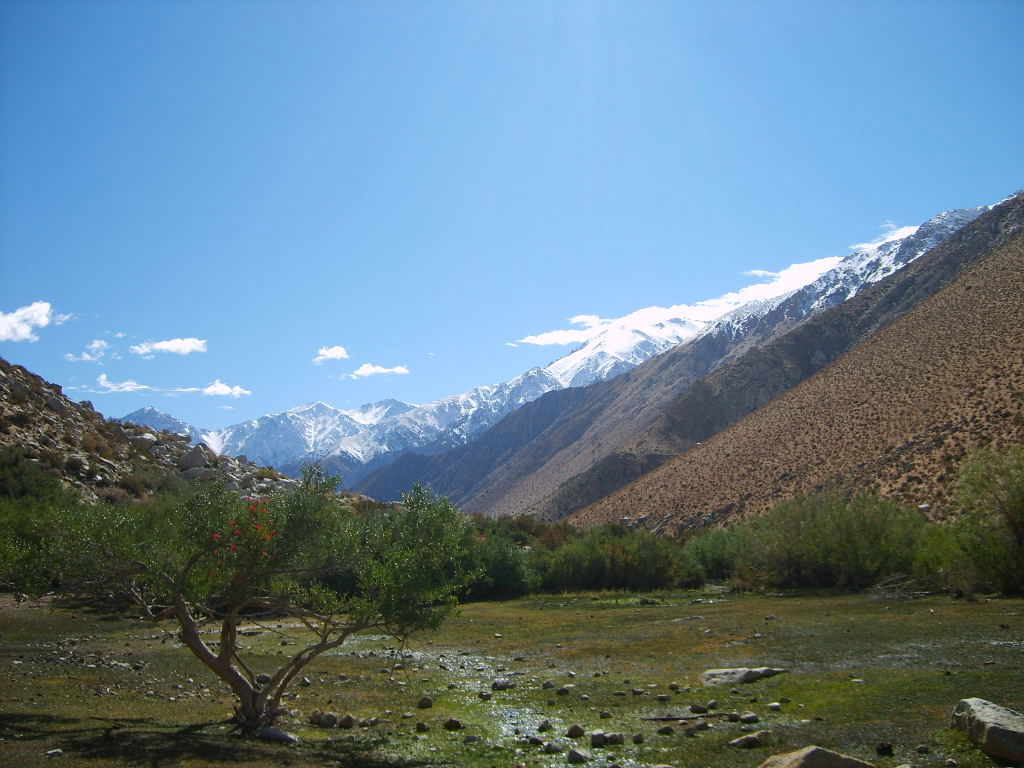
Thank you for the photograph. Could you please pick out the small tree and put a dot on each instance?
(215, 558)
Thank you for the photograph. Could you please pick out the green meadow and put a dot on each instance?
(112, 690)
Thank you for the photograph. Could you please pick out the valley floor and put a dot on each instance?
(861, 670)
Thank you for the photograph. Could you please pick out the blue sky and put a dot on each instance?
(201, 202)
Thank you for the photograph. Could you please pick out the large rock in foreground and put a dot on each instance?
(737, 675)
(997, 731)
(814, 757)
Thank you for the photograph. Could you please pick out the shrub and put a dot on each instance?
(983, 549)
(833, 541)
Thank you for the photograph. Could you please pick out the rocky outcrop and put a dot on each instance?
(995, 730)
(100, 458)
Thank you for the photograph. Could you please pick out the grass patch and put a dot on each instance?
(108, 690)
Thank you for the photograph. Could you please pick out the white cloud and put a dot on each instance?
(331, 353)
(22, 323)
(366, 369)
(175, 346)
(94, 352)
(217, 388)
(789, 279)
(220, 389)
(120, 386)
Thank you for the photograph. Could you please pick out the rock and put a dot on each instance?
(598, 738)
(470, 738)
(550, 748)
(615, 738)
(575, 731)
(813, 757)
(316, 718)
(54, 752)
(425, 703)
(884, 749)
(263, 679)
(305, 682)
(453, 724)
(666, 730)
(348, 721)
(144, 440)
(502, 684)
(638, 738)
(577, 755)
(545, 725)
(267, 733)
(698, 709)
(197, 457)
(751, 740)
(485, 695)
(329, 719)
(997, 731)
(749, 718)
(737, 675)
(565, 689)
(422, 727)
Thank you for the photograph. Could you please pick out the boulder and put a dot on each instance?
(753, 740)
(197, 457)
(997, 731)
(738, 675)
(268, 733)
(144, 440)
(813, 757)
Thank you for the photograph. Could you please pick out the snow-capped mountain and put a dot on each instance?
(867, 265)
(376, 434)
(151, 417)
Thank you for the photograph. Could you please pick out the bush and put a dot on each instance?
(983, 549)
(823, 541)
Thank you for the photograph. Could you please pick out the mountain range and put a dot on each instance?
(938, 375)
(564, 435)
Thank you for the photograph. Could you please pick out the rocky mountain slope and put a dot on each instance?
(107, 459)
(570, 448)
(898, 412)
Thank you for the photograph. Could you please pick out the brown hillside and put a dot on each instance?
(898, 412)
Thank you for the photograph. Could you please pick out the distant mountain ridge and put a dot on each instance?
(151, 417)
(362, 444)
(897, 412)
(570, 448)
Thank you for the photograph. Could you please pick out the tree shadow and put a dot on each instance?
(143, 742)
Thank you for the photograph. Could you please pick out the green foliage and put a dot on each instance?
(983, 549)
(612, 557)
(824, 541)
(22, 478)
(504, 568)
